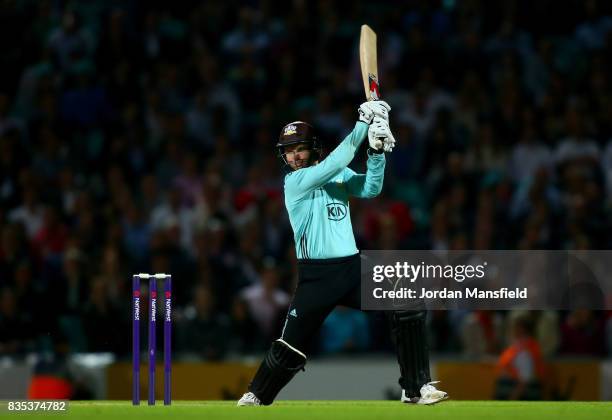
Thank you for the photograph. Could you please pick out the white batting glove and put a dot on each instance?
(389, 143)
(369, 110)
(379, 135)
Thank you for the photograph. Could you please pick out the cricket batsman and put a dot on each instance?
(317, 192)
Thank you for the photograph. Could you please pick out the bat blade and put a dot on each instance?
(369, 64)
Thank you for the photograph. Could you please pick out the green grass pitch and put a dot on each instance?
(311, 410)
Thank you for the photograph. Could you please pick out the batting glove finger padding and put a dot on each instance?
(369, 110)
(389, 143)
(380, 136)
(379, 133)
(381, 109)
(365, 114)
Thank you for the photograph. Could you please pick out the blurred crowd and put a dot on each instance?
(139, 137)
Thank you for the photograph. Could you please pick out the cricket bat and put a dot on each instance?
(369, 65)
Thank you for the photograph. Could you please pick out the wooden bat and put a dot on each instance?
(369, 65)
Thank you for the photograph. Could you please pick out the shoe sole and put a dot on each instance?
(433, 402)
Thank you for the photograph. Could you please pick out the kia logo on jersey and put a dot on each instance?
(336, 211)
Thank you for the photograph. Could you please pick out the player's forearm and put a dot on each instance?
(375, 175)
(370, 184)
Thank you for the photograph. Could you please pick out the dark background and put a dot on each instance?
(138, 136)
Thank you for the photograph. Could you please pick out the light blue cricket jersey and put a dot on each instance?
(317, 199)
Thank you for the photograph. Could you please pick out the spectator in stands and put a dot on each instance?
(16, 327)
(266, 302)
(521, 367)
(202, 330)
(582, 334)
